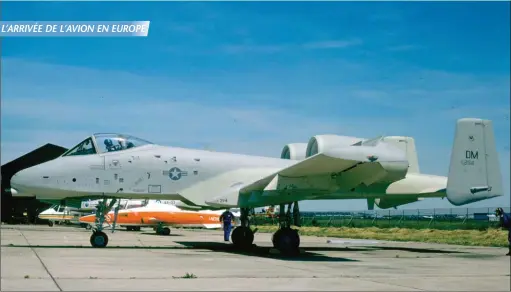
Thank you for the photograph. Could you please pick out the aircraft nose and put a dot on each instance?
(23, 181)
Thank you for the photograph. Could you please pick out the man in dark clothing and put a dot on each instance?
(505, 222)
(226, 218)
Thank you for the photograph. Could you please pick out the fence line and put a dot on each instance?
(437, 218)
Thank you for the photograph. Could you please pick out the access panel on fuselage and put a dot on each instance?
(152, 172)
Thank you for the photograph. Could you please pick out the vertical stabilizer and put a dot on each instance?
(474, 171)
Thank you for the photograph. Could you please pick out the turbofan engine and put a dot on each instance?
(320, 143)
(294, 151)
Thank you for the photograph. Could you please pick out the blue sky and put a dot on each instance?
(252, 77)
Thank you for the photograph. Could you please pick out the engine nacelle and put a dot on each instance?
(407, 145)
(294, 151)
(320, 143)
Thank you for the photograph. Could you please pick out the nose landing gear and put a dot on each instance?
(99, 238)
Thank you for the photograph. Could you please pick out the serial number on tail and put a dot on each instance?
(470, 156)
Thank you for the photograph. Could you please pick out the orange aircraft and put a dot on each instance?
(159, 215)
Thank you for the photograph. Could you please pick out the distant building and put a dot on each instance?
(25, 210)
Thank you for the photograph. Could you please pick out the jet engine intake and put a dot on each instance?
(294, 151)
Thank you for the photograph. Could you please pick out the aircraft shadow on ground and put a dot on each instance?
(394, 248)
(260, 251)
(154, 234)
(307, 253)
(86, 247)
(46, 229)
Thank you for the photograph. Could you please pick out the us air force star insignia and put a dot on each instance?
(175, 173)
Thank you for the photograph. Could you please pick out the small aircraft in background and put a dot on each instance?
(91, 205)
(70, 215)
(61, 214)
(160, 215)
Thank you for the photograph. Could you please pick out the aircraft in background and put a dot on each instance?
(71, 215)
(383, 170)
(58, 214)
(160, 215)
(90, 205)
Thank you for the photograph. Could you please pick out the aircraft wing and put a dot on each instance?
(341, 169)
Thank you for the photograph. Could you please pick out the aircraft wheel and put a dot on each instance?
(99, 239)
(288, 241)
(275, 238)
(129, 228)
(136, 228)
(242, 237)
(165, 231)
(50, 223)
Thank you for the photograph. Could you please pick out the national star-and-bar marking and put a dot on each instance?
(175, 173)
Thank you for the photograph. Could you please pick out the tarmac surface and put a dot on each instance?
(41, 258)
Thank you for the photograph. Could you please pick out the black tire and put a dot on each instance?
(275, 238)
(242, 237)
(165, 231)
(99, 239)
(288, 242)
(50, 223)
(136, 228)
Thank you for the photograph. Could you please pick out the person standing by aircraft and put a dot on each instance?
(226, 218)
(505, 222)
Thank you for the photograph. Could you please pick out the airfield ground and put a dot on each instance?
(40, 258)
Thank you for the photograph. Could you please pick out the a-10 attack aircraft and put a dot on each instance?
(383, 170)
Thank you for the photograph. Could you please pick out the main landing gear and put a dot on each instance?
(161, 230)
(242, 236)
(99, 238)
(286, 239)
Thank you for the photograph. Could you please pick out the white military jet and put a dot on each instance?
(383, 170)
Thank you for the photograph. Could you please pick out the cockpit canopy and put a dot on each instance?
(58, 208)
(103, 143)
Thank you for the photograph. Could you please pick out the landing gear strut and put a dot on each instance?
(99, 238)
(286, 239)
(242, 236)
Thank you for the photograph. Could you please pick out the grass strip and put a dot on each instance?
(490, 237)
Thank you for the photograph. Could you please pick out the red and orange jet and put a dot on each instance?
(158, 216)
